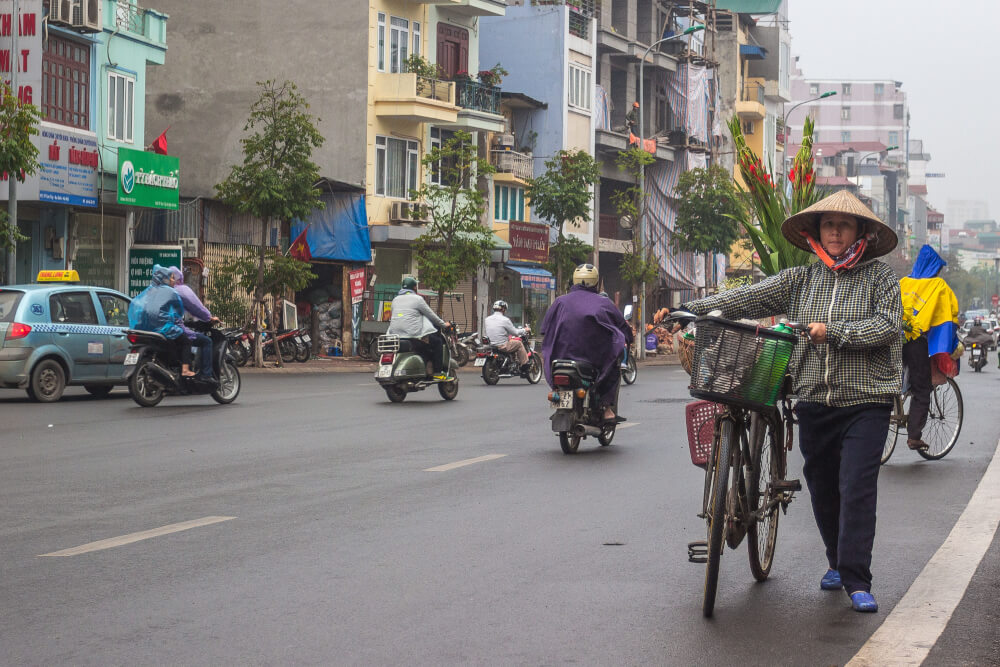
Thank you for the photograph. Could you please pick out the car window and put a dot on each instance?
(73, 308)
(8, 304)
(115, 309)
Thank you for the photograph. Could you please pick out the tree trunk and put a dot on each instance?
(258, 353)
(559, 264)
(274, 330)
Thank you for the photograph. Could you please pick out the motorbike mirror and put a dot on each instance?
(628, 312)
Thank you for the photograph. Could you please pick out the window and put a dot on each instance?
(115, 309)
(894, 138)
(845, 113)
(72, 308)
(121, 94)
(66, 82)
(396, 166)
(579, 25)
(814, 89)
(845, 89)
(439, 138)
(845, 137)
(897, 110)
(399, 37)
(381, 42)
(508, 203)
(879, 89)
(748, 127)
(580, 92)
(416, 38)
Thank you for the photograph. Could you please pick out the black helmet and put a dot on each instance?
(410, 283)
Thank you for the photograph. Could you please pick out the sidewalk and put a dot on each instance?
(359, 365)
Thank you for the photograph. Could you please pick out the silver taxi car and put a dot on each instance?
(57, 332)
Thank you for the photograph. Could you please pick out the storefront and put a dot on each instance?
(527, 288)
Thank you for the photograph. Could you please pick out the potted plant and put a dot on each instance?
(493, 76)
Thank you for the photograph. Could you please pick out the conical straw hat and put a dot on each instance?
(882, 243)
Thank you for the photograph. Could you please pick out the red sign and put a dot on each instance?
(995, 299)
(529, 242)
(357, 280)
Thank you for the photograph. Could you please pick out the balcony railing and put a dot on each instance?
(433, 89)
(753, 92)
(477, 96)
(129, 17)
(512, 162)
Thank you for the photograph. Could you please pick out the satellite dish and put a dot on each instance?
(626, 222)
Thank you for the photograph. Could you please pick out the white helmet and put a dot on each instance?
(500, 304)
(586, 275)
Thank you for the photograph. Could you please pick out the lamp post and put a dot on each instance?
(784, 126)
(996, 266)
(642, 171)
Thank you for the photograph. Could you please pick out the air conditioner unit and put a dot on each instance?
(61, 11)
(92, 19)
(189, 247)
(411, 212)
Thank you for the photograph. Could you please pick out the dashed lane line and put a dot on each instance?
(138, 537)
(466, 462)
(627, 425)
(909, 633)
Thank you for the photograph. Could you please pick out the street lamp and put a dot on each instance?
(642, 169)
(864, 157)
(996, 265)
(784, 119)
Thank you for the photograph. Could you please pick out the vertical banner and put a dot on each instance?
(28, 59)
(357, 280)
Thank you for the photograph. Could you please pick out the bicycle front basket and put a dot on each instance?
(739, 364)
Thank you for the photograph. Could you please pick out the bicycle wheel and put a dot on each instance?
(766, 449)
(897, 422)
(944, 421)
(717, 513)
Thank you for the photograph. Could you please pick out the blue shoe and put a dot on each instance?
(863, 601)
(831, 581)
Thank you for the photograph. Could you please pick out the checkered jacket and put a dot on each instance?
(863, 313)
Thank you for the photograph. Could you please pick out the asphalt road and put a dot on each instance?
(344, 549)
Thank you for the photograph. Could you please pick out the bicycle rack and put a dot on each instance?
(698, 551)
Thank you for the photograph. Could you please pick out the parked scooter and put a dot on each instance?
(468, 343)
(578, 413)
(153, 368)
(977, 356)
(458, 352)
(498, 364)
(402, 370)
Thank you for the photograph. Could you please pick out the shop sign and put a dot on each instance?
(68, 170)
(141, 259)
(148, 179)
(28, 59)
(357, 280)
(529, 242)
(537, 282)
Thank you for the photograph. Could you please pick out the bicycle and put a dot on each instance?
(740, 371)
(944, 421)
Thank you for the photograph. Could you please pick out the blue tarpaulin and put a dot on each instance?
(533, 278)
(339, 231)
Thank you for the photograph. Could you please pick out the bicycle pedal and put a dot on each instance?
(698, 551)
(787, 485)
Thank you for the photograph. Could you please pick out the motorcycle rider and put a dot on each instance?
(413, 319)
(978, 334)
(197, 310)
(584, 326)
(499, 329)
(159, 309)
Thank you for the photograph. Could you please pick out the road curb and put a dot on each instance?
(358, 365)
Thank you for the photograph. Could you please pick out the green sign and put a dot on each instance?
(141, 259)
(148, 179)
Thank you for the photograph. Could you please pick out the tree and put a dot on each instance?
(277, 180)
(456, 243)
(706, 217)
(566, 255)
(564, 192)
(639, 265)
(18, 156)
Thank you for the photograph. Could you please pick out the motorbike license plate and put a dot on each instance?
(131, 358)
(306, 339)
(565, 400)
(385, 371)
(480, 361)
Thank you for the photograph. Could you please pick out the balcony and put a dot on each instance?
(518, 165)
(751, 103)
(470, 7)
(406, 96)
(478, 108)
(131, 19)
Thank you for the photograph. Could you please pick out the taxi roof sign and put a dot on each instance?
(58, 277)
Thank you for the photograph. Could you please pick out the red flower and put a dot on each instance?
(809, 178)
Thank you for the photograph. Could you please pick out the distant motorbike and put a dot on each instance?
(459, 352)
(977, 356)
(153, 368)
(469, 344)
(498, 364)
(629, 369)
(578, 413)
(402, 370)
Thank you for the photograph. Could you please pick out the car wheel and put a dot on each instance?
(98, 390)
(48, 381)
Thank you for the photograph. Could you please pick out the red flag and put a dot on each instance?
(159, 144)
(300, 247)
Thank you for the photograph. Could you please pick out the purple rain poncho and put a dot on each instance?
(192, 304)
(158, 308)
(582, 325)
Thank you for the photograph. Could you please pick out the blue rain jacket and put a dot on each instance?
(158, 308)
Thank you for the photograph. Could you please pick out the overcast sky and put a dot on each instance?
(946, 55)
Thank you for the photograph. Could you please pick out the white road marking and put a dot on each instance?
(627, 425)
(137, 537)
(909, 633)
(466, 462)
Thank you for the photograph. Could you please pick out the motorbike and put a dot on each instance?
(977, 356)
(458, 351)
(153, 368)
(629, 369)
(578, 413)
(498, 364)
(402, 370)
(238, 348)
(468, 343)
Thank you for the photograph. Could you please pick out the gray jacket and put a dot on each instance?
(412, 317)
(498, 328)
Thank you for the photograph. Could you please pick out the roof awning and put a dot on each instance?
(532, 278)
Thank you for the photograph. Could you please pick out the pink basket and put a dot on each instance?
(700, 417)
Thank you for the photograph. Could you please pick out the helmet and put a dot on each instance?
(586, 275)
(409, 283)
(635, 104)
(500, 305)
(605, 295)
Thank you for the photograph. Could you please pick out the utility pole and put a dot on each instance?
(11, 178)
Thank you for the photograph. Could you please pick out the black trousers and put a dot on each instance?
(432, 350)
(842, 448)
(916, 360)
